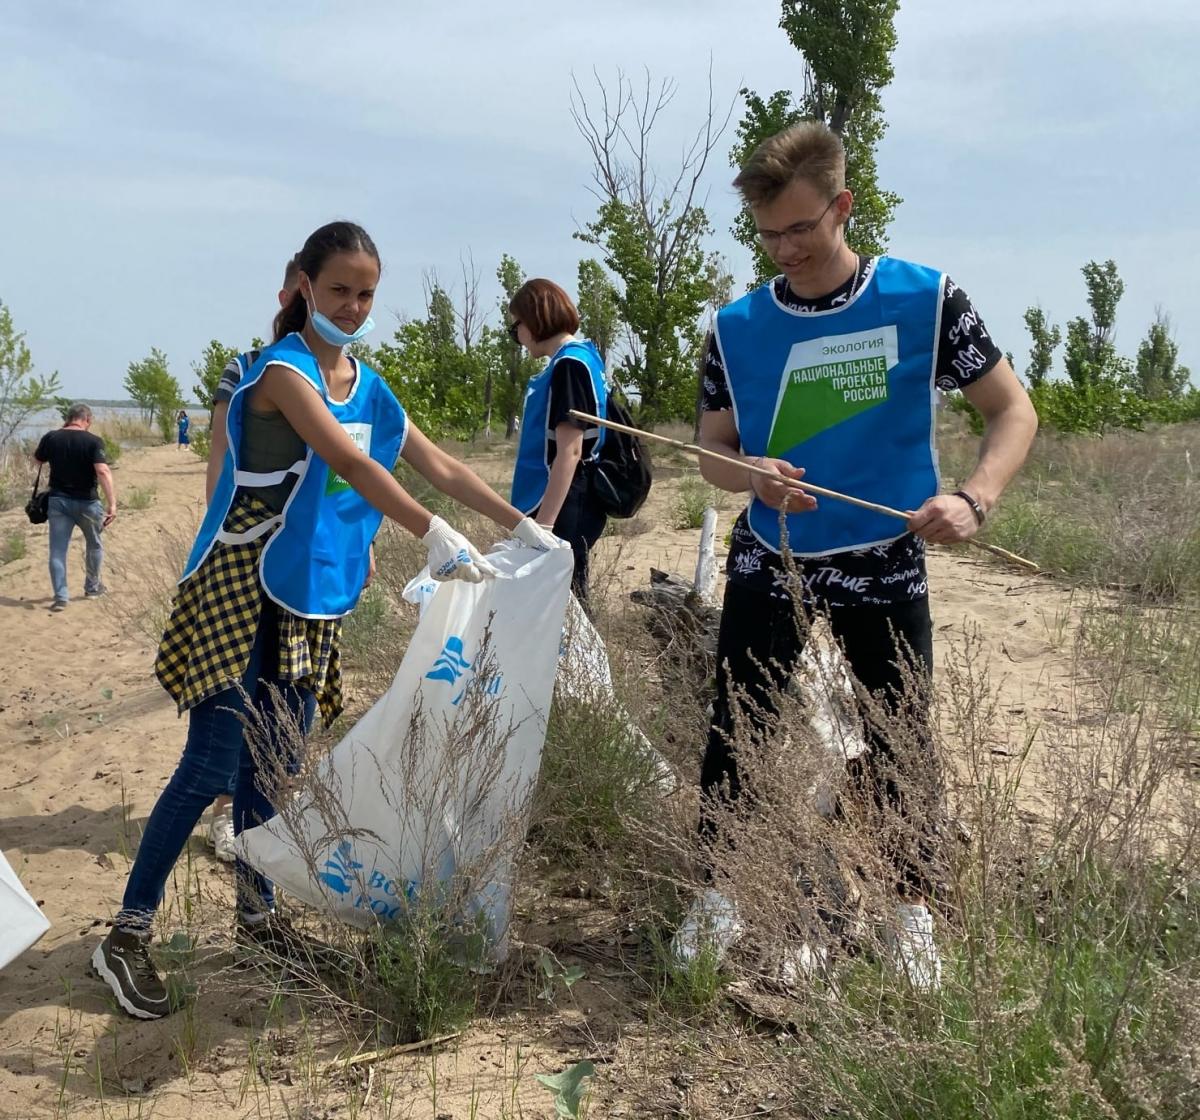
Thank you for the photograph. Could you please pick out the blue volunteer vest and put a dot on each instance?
(848, 394)
(317, 559)
(531, 474)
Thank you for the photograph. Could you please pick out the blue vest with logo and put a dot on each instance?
(317, 559)
(531, 474)
(847, 394)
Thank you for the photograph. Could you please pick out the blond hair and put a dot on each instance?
(810, 151)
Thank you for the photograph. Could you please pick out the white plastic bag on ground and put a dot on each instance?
(434, 780)
(21, 922)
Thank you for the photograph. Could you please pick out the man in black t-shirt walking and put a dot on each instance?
(77, 469)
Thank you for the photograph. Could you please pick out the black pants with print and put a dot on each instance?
(759, 643)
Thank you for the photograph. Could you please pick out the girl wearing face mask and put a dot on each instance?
(282, 555)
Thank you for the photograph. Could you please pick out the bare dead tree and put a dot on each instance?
(651, 225)
(470, 321)
(618, 131)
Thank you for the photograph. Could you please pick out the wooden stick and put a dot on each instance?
(390, 1052)
(812, 488)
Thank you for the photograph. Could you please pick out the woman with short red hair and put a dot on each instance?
(550, 480)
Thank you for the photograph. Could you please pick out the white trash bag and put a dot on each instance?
(434, 781)
(21, 922)
(584, 674)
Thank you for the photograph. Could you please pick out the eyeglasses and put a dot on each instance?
(512, 330)
(797, 231)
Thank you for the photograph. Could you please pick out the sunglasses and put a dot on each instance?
(512, 330)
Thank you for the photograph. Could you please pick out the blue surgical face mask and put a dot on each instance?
(332, 333)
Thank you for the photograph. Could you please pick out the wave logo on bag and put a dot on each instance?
(383, 896)
(452, 666)
(339, 869)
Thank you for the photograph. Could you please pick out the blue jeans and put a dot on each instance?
(215, 748)
(65, 514)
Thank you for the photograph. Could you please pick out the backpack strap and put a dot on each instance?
(37, 481)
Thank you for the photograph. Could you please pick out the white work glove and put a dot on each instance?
(533, 535)
(452, 556)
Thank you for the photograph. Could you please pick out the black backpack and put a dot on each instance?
(620, 475)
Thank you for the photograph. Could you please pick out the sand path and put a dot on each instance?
(87, 740)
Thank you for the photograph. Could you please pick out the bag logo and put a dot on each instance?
(384, 897)
(452, 667)
(339, 868)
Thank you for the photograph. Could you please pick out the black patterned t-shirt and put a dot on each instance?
(883, 574)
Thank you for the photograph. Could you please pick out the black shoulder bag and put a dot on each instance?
(37, 509)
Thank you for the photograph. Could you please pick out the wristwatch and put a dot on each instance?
(976, 508)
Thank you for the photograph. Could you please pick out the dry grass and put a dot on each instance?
(17, 472)
(1121, 510)
(1067, 918)
(128, 432)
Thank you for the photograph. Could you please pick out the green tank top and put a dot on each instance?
(270, 443)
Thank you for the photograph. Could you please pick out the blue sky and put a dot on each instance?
(162, 161)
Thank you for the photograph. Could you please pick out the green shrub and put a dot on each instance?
(140, 497)
(1068, 1006)
(201, 442)
(1057, 539)
(13, 547)
(1116, 510)
(112, 450)
(695, 496)
(1107, 406)
(595, 785)
(422, 980)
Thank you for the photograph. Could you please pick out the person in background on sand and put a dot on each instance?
(256, 621)
(77, 466)
(183, 423)
(832, 368)
(550, 479)
(220, 825)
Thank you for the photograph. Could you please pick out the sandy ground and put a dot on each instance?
(87, 740)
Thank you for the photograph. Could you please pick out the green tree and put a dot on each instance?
(208, 371)
(1045, 339)
(22, 392)
(651, 230)
(1090, 355)
(458, 374)
(515, 364)
(438, 374)
(847, 47)
(406, 364)
(154, 389)
(599, 306)
(1158, 376)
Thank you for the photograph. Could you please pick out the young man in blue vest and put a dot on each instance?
(830, 372)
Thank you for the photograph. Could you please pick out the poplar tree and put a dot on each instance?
(847, 48)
